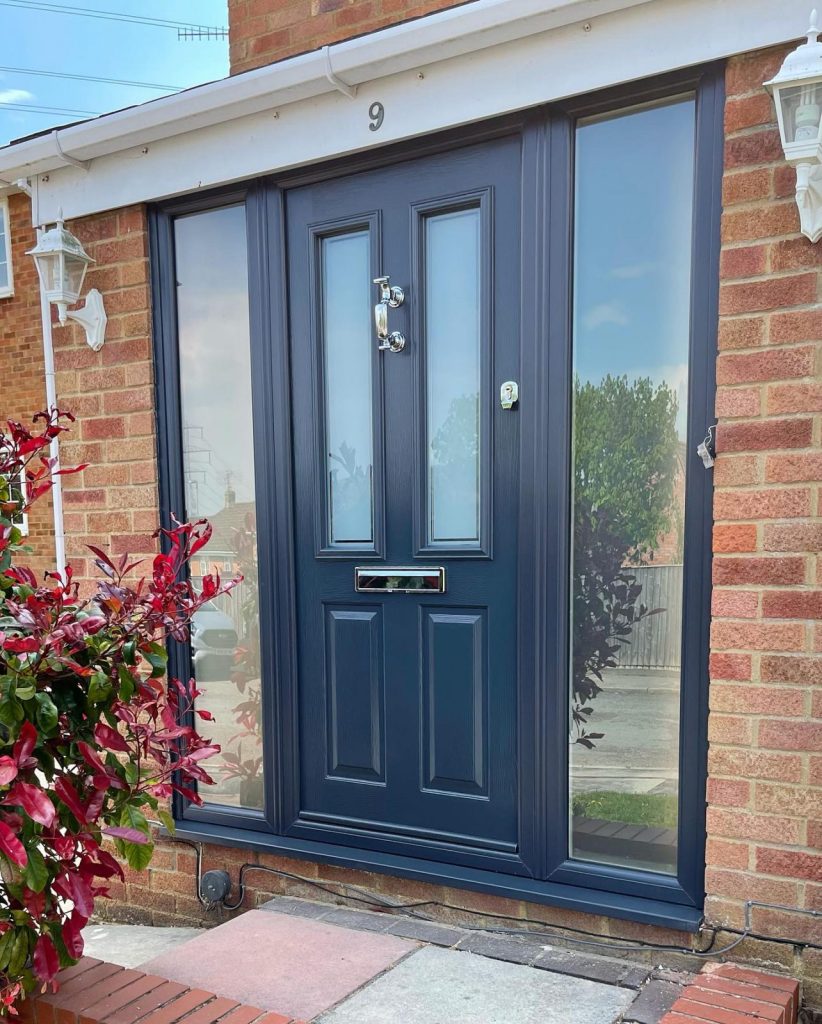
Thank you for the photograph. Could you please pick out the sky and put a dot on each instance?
(47, 35)
(634, 191)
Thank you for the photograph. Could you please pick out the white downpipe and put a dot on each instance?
(54, 448)
(51, 390)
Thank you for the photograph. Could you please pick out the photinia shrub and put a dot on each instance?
(93, 738)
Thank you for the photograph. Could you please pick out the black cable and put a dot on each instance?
(91, 78)
(36, 109)
(631, 945)
(384, 904)
(87, 12)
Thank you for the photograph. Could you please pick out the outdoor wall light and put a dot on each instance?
(61, 264)
(797, 93)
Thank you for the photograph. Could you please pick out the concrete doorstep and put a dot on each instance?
(299, 961)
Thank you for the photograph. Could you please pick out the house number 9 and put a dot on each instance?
(377, 114)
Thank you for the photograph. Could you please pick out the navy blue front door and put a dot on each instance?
(405, 460)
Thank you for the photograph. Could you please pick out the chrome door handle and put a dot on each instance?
(390, 296)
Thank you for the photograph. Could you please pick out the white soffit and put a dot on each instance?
(462, 65)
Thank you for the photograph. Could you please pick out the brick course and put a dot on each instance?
(23, 391)
(93, 992)
(768, 406)
(264, 31)
(112, 504)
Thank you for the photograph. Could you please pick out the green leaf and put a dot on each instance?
(126, 683)
(131, 772)
(130, 652)
(25, 692)
(138, 855)
(6, 946)
(99, 688)
(157, 656)
(20, 951)
(11, 712)
(36, 874)
(132, 817)
(167, 821)
(47, 714)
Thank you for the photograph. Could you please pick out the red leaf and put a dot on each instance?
(25, 742)
(91, 757)
(35, 903)
(21, 644)
(68, 794)
(73, 939)
(110, 738)
(46, 961)
(130, 835)
(8, 771)
(33, 801)
(11, 846)
(75, 888)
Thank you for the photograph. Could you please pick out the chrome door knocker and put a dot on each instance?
(391, 296)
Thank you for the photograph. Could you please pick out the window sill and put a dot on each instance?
(567, 897)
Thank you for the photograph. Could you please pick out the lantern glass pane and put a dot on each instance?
(47, 269)
(75, 270)
(801, 112)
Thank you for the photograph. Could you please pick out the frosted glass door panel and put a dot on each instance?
(453, 373)
(347, 349)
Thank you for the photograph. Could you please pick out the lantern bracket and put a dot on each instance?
(797, 94)
(809, 199)
(92, 317)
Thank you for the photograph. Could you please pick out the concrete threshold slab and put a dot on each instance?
(287, 964)
(435, 986)
(130, 945)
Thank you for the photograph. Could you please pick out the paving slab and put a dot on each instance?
(292, 965)
(653, 1002)
(443, 986)
(130, 945)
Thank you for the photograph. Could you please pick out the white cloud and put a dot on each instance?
(15, 96)
(605, 313)
(632, 270)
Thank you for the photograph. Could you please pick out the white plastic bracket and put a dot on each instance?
(92, 317)
(809, 199)
(347, 90)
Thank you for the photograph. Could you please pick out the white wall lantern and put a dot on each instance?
(797, 93)
(61, 264)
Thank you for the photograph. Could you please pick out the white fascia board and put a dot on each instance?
(631, 43)
(388, 51)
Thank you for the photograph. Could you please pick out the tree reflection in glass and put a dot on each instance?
(632, 271)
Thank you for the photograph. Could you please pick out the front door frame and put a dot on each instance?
(547, 202)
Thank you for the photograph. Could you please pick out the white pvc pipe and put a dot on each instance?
(51, 391)
(54, 448)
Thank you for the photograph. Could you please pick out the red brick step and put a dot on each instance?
(93, 992)
(728, 994)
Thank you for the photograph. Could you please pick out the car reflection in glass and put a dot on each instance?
(213, 642)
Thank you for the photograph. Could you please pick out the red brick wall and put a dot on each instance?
(765, 800)
(113, 503)
(264, 31)
(23, 388)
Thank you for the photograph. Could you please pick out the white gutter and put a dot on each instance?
(413, 44)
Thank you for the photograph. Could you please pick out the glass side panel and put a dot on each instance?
(634, 186)
(348, 345)
(453, 374)
(218, 467)
(5, 249)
